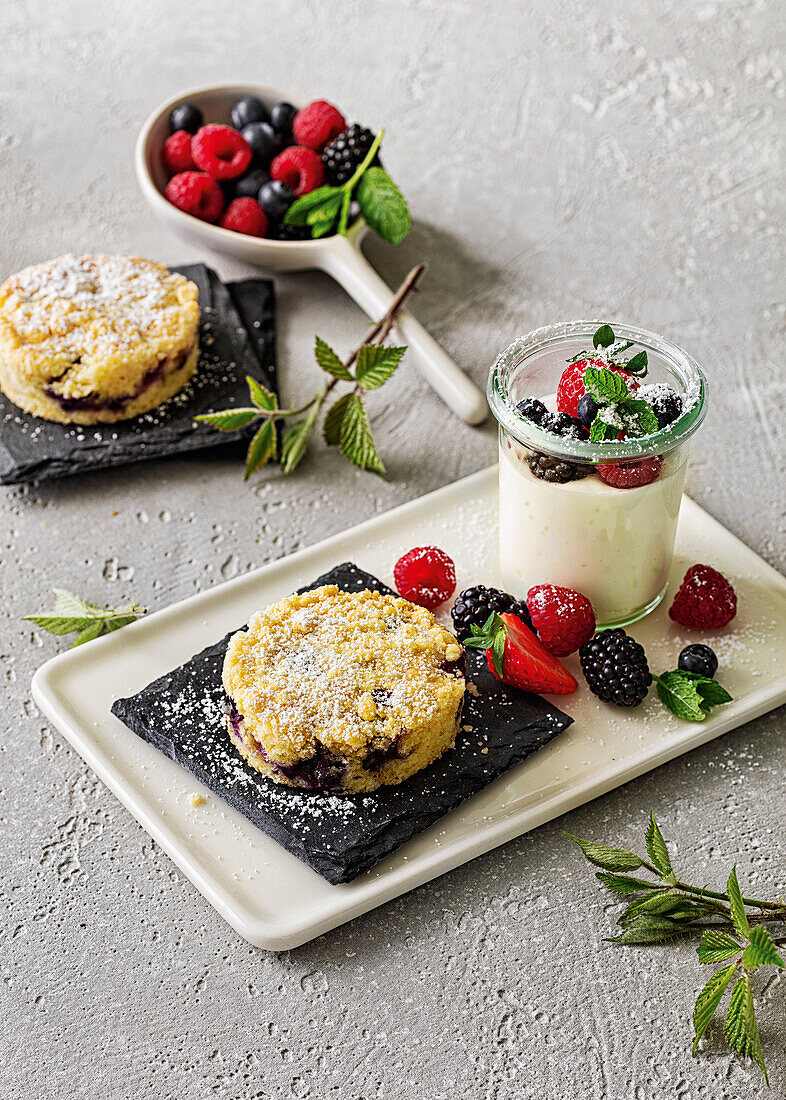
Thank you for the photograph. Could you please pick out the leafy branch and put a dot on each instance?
(346, 423)
(73, 615)
(731, 926)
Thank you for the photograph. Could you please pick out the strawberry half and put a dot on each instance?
(517, 657)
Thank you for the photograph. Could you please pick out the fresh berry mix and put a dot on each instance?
(275, 198)
(177, 153)
(666, 402)
(248, 109)
(345, 153)
(474, 605)
(532, 409)
(263, 140)
(317, 124)
(220, 151)
(245, 215)
(282, 115)
(615, 668)
(185, 117)
(516, 656)
(704, 601)
(564, 619)
(632, 474)
(700, 659)
(299, 168)
(571, 386)
(426, 576)
(248, 187)
(196, 193)
(550, 468)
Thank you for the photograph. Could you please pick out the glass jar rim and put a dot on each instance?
(678, 362)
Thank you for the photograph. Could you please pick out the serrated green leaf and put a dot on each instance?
(625, 884)
(357, 442)
(90, 632)
(260, 396)
(383, 206)
(60, 624)
(639, 417)
(740, 1028)
(637, 364)
(656, 847)
(678, 692)
(601, 430)
(376, 363)
(712, 692)
(610, 859)
(321, 229)
(261, 448)
(761, 951)
(329, 361)
(676, 907)
(343, 220)
(110, 625)
(606, 386)
(334, 418)
(229, 420)
(295, 441)
(604, 337)
(326, 214)
(649, 929)
(300, 208)
(716, 946)
(737, 905)
(709, 999)
(67, 603)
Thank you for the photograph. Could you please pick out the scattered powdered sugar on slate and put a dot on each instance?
(339, 836)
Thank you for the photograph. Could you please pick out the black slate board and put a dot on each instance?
(339, 836)
(237, 337)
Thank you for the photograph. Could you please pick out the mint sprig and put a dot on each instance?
(327, 209)
(689, 695)
(735, 930)
(72, 615)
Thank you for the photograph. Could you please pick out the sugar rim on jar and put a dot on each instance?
(682, 367)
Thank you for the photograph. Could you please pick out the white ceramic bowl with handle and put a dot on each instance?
(338, 256)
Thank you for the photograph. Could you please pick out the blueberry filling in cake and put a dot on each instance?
(91, 402)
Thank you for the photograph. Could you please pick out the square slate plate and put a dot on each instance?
(276, 901)
(182, 714)
(237, 337)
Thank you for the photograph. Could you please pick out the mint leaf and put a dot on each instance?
(712, 692)
(261, 397)
(740, 1028)
(326, 214)
(334, 418)
(295, 441)
(601, 430)
(761, 951)
(343, 221)
(611, 859)
(638, 416)
(314, 200)
(604, 337)
(637, 364)
(737, 905)
(677, 691)
(625, 884)
(717, 946)
(229, 420)
(605, 385)
(376, 363)
(656, 847)
(329, 361)
(648, 929)
(383, 206)
(357, 442)
(709, 999)
(262, 448)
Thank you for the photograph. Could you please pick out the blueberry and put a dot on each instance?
(587, 410)
(248, 109)
(698, 658)
(532, 409)
(185, 117)
(264, 141)
(248, 187)
(282, 116)
(275, 198)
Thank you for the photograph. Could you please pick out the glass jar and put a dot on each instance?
(600, 518)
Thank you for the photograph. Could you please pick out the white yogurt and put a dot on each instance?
(613, 545)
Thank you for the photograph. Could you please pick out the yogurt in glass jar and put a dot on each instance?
(600, 518)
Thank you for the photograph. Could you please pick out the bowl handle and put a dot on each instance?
(349, 267)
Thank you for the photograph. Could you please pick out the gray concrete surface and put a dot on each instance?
(562, 159)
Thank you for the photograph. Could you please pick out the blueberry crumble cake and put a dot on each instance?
(343, 691)
(96, 339)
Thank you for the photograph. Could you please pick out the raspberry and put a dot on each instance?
(318, 124)
(704, 600)
(426, 576)
(245, 216)
(299, 168)
(196, 193)
(630, 475)
(571, 384)
(564, 619)
(220, 151)
(177, 153)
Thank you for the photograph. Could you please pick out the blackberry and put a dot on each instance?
(549, 468)
(666, 402)
(562, 424)
(698, 658)
(290, 232)
(521, 611)
(474, 605)
(344, 153)
(615, 668)
(532, 409)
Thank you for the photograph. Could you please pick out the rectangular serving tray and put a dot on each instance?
(266, 894)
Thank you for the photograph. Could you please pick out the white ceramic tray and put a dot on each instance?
(267, 895)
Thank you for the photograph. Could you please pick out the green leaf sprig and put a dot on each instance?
(689, 695)
(491, 636)
(327, 209)
(620, 410)
(346, 422)
(73, 615)
(735, 930)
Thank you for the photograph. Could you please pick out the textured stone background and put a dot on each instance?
(562, 159)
